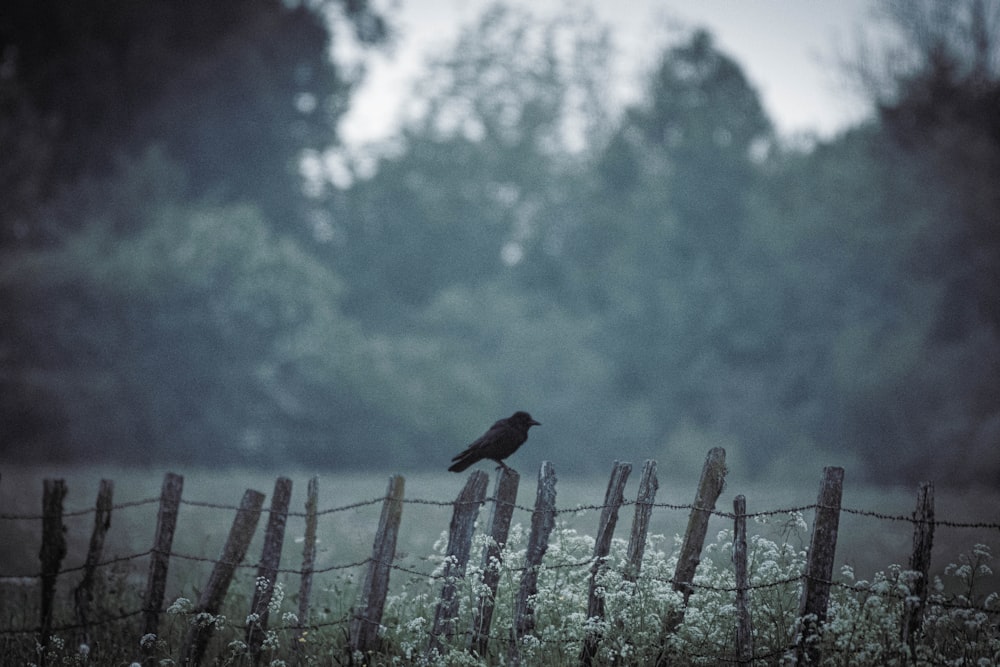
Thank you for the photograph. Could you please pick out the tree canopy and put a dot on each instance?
(643, 282)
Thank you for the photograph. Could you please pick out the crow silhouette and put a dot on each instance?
(500, 441)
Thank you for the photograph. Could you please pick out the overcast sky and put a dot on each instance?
(787, 48)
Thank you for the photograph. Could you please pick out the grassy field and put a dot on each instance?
(869, 545)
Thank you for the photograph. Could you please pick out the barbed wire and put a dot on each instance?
(106, 620)
(980, 525)
(79, 568)
(80, 512)
(585, 563)
(453, 504)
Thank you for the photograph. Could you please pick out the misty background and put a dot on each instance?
(193, 269)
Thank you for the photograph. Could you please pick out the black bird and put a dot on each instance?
(500, 441)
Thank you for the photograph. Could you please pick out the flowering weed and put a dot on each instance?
(959, 623)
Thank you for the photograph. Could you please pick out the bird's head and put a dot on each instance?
(525, 419)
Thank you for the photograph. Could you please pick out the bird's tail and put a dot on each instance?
(460, 463)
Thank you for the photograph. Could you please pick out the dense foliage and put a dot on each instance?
(173, 288)
(863, 623)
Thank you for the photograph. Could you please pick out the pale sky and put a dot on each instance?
(788, 49)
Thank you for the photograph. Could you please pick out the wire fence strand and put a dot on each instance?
(718, 653)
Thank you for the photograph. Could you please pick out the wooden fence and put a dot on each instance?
(367, 612)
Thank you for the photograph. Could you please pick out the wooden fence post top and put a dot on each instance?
(267, 570)
(649, 473)
(920, 563)
(506, 487)
(543, 520)
(819, 565)
(832, 474)
(501, 512)
(547, 479)
(474, 487)
(713, 479)
(53, 549)
(613, 499)
(172, 480)
(397, 484)
(159, 559)
(744, 627)
(648, 485)
(713, 475)
(212, 597)
(460, 532)
(367, 613)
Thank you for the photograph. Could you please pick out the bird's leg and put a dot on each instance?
(503, 466)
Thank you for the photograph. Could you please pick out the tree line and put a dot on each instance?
(177, 286)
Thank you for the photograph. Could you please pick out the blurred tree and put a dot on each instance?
(667, 242)
(885, 245)
(672, 279)
(943, 110)
(938, 99)
(477, 186)
(156, 292)
(234, 91)
(205, 338)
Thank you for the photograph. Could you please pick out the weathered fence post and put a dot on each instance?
(368, 612)
(308, 554)
(713, 479)
(920, 563)
(53, 549)
(463, 524)
(744, 629)
(83, 595)
(819, 567)
(267, 571)
(648, 485)
(159, 560)
(505, 497)
(543, 520)
(613, 498)
(240, 534)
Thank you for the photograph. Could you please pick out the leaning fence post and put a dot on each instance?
(308, 554)
(463, 524)
(505, 497)
(212, 597)
(713, 479)
(744, 630)
(159, 559)
(543, 520)
(920, 563)
(819, 567)
(270, 561)
(613, 498)
(53, 549)
(368, 613)
(648, 484)
(83, 595)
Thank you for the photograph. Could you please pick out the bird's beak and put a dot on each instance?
(534, 423)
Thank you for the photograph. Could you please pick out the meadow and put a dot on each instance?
(960, 625)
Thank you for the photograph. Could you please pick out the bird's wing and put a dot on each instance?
(485, 440)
